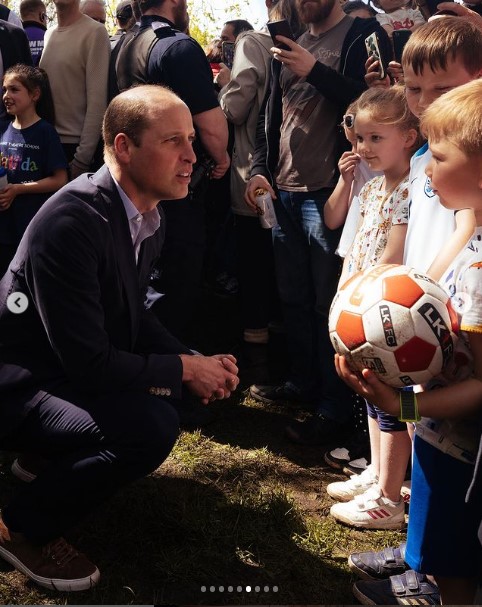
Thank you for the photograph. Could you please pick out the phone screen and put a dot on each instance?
(400, 39)
(281, 28)
(227, 54)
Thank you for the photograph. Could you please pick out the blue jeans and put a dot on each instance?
(307, 271)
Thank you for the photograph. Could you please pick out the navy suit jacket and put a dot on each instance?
(14, 45)
(86, 325)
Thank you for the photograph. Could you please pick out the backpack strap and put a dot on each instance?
(131, 63)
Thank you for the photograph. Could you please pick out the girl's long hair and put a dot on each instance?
(34, 78)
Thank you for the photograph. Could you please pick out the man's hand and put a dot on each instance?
(368, 385)
(396, 72)
(224, 76)
(7, 196)
(210, 377)
(297, 59)
(462, 11)
(372, 74)
(347, 165)
(221, 167)
(257, 181)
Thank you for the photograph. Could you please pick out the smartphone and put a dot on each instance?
(429, 7)
(400, 39)
(373, 50)
(280, 28)
(227, 53)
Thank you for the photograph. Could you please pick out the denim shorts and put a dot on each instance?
(386, 422)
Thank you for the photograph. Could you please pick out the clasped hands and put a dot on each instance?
(210, 377)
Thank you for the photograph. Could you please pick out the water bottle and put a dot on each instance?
(3, 178)
(265, 208)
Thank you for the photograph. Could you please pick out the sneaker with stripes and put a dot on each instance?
(371, 510)
(344, 491)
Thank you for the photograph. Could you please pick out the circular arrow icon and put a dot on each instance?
(17, 302)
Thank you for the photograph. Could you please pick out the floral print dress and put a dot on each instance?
(379, 211)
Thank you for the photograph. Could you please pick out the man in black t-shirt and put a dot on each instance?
(160, 53)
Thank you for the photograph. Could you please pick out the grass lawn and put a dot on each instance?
(235, 505)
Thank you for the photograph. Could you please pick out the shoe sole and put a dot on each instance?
(364, 600)
(350, 471)
(380, 525)
(333, 463)
(21, 473)
(55, 584)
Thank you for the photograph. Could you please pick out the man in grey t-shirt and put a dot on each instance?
(296, 161)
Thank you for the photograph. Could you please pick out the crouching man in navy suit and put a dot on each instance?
(84, 366)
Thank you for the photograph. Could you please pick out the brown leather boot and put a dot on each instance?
(55, 565)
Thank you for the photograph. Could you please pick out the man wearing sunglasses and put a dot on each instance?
(34, 21)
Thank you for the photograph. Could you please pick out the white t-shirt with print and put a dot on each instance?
(430, 225)
(459, 437)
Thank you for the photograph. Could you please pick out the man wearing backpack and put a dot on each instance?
(160, 53)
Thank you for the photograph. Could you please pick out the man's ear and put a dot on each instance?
(122, 148)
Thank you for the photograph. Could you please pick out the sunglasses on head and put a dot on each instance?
(348, 121)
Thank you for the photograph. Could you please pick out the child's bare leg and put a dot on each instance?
(374, 433)
(395, 448)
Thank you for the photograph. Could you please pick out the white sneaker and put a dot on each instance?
(406, 491)
(371, 511)
(356, 485)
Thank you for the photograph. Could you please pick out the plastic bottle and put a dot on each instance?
(3, 178)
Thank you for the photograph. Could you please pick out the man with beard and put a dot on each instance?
(160, 53)
(295, 160)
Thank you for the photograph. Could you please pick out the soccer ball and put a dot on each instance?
(396, 322)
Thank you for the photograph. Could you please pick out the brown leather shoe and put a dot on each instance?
(56, 565)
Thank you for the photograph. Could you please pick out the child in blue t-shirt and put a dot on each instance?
(442, 531)
(30, 151)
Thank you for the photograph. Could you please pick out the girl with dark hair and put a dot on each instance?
(31, 153)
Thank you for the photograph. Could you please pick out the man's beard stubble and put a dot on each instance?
(181, 19)
(314, 11)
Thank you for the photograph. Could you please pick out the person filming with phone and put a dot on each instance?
(313, 81)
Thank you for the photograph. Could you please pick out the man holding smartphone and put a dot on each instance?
(295, 160)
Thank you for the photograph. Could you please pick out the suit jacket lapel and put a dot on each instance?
(125, 257)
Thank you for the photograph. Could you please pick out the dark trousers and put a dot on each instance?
(307, 272)
(95, 445)
(256, 273)
(181, 264)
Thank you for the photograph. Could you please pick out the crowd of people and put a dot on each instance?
(114, 149)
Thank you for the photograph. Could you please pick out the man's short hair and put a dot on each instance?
(355, 5)
(457, 117)
(27, 7)
(239, 25)
(435, 43)
(130, 113)
(145, 5)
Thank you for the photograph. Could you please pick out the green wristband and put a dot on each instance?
(408, 407)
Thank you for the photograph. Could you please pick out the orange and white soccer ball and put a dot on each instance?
(396, 322)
